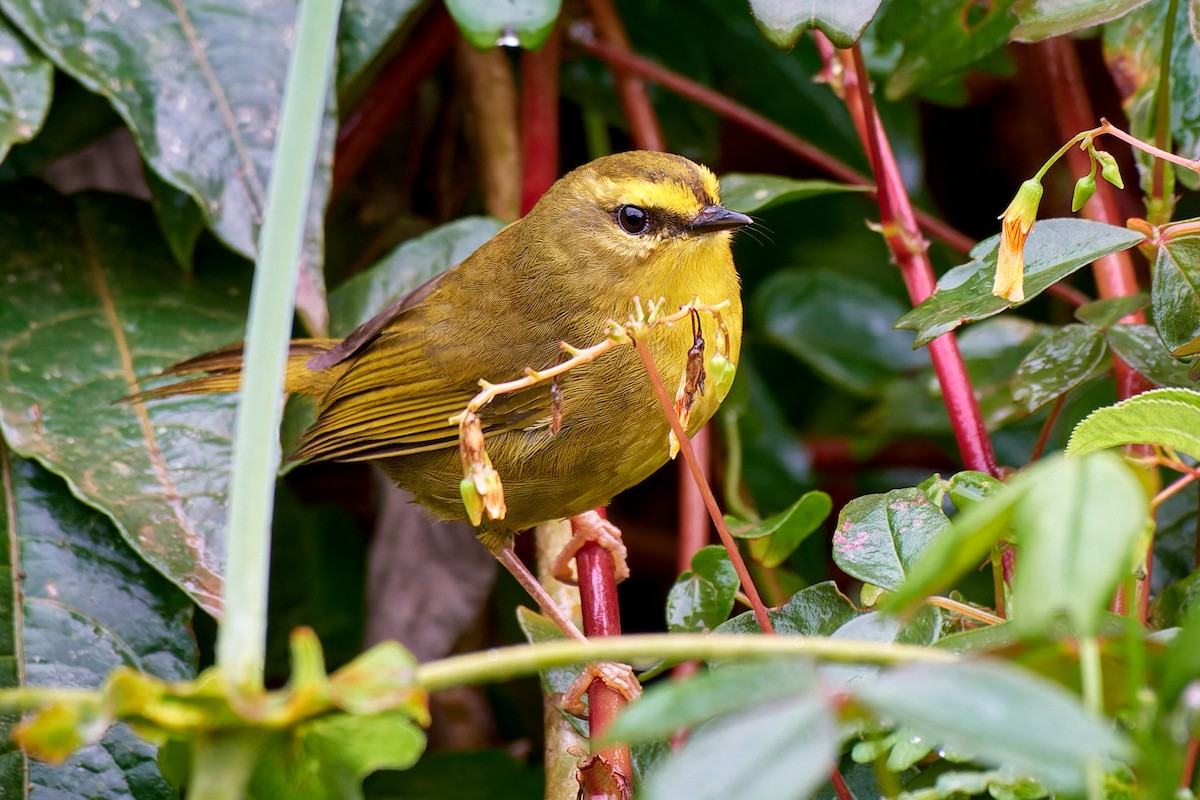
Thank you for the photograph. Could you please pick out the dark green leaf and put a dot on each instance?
(365, 28)
(1165, 417)
(839, 326)
(26, 82)
(1003, 715)
(1181, 663)
(404, 269)
(179, 219)
(675, 705)
(1175, 291)
(748, 192)
(1110, 310)
(1076, 525)
(880, 536)
(1055, 249)
(703, 597)
(792, 746)
(817, 610)
(200, 83)
(460, 775)
(92, 307)
(941, 38)
(1178, 602)
(1042, 19)
(487, 24)
(85, 603)
(1139, 347)
(843, 21)
(1062, 361)
(774, 539)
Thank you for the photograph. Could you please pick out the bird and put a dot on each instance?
(627, 227)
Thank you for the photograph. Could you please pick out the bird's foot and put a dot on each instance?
(619, 677)
(591, 527)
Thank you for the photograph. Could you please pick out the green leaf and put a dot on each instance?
(839, 326)
(179, 219)
(365, 29)
(405, 268)
(968, 488)
(1055, 249)
(93, 305)
(1042, 19)
(776, 538)
(817, 610)
(1181, 662)
(487, 24)
(1003, 715)
(26, 85)
(1164, 417)
(674, 705)
(1060, 362)
(1110, 310)
(702, 597)
(1076, 525)
(880, 536)
(85, 603)
(1175, 291)
(461, 775)
(1141, 348)
(843, 21)
(203, 101)
(941, 38)
(748, 192)
(784, 749)
(1177, 602)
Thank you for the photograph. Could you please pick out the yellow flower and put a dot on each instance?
(1018, 221)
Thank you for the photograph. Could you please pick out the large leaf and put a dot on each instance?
(1055, 249)
(26, 82)
(748, 192)
(1141, 348)
(839, 326)
(880, 536)
(405, 268)
(486, 23)
(1175, 291)
(200, 84)
(92, 306)
(79, 603)
(364, 30)
(1003, 715)
(1165, 417)
(941, 38)
(843, 21)
(1076, 528)
(1041, 19)
(1062, 361)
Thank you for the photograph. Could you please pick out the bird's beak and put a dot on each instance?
(717, 218)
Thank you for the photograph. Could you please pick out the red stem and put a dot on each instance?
(1189, 763)
(539, 119)
(752, 121)
(643, 124)
(1039, 446)
(908, 249)
(392, 90)
(1115, 275)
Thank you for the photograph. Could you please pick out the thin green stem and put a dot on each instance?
(1062, 151)
(1093, 700)
(241, 639)
(506, 663)
(1162, 99)
(733, 468)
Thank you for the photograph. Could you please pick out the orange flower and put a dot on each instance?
(1018, 221)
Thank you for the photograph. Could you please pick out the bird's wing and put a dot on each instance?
(391, 401)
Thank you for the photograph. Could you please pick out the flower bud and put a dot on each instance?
(1085, 187)
(1109, 169)
(1018, 221)
(722, 372)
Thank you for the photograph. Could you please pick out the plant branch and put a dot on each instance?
(1039, 446)
(1162, 101)
(505, 663)
(643, 124)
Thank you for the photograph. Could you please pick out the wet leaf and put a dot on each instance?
(747, 193)
(1055, 249)
(487, 24)
(86, 604)
(1003, 715)
(1175, 291)
(1041, 19)
(365, 28)
(1062, 361)
(843, 21)
(880, 536)
(26, 85)
(200, 83)
(1110, 310)
(92, 307)
(1141, 348)
(776, 538)
(703, 596)
(840, 326)
(817, 610)
(1165, 417)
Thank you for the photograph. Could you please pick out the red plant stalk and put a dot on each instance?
(1115, 275)
(392, 90)
(643, 123)
(902, 235)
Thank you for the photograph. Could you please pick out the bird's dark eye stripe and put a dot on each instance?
(633, 219)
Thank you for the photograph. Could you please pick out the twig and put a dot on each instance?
(643, 124)
(965, 610)
(1173, 489)
(1047, 427)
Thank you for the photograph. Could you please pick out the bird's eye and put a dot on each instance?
(633, 219)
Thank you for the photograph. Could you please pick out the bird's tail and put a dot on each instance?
(220, 371)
